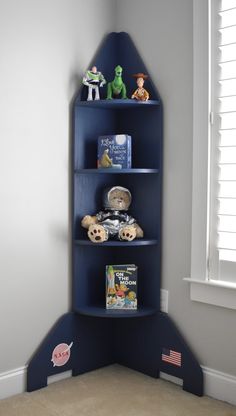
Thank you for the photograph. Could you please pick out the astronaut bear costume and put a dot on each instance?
(113, 222)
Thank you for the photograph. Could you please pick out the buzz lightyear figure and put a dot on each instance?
(93, 79)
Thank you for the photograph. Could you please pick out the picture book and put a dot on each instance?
(121, 286)
(114, 152)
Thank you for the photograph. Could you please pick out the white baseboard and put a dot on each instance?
(218, 385)
(12, 382)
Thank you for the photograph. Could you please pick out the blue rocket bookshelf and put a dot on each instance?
(101, 337)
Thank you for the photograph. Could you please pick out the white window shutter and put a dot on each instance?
(223, 143)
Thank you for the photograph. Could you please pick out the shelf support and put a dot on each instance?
(84, 341)
(41, 365)
(186, 367)
(97, 342)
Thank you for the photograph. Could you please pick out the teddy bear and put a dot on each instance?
(113, 222)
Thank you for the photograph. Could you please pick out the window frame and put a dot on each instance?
(203, 289)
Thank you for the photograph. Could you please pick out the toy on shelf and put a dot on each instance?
(117, 86)
(94, 80)
(140, 93)
(113, 221)
(114, 151)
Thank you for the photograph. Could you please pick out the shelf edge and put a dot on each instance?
(102, 312)
(116, 171)
(112, 243)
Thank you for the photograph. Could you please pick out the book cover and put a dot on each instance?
(114, 152)
(121, 286)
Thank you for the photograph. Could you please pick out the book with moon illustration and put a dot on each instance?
(121, 286)
(114, 152)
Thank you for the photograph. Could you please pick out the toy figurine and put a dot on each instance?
(113, 221)
(117, 86)
(94, 80)
(140, 93)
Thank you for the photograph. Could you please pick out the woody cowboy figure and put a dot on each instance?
(140, 93)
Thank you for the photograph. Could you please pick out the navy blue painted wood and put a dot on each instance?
(97, 340)
(117, 103)
(89, 280)
(136, 121)
(100, 311)
(145, 205)
(115, 243)
(95, 344)
(115, 171)
(92, 348)
(136, 343)
(41, 365)
(190, 371)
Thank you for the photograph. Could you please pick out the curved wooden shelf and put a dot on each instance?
(112, 243)
(101, 312)
(116, 171)
(117, 104)
(94, 340)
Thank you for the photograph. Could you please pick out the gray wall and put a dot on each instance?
(163, 33)
(45, 47)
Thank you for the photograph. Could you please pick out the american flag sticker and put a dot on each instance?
(171, 357)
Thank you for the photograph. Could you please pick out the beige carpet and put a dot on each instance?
(113, 391)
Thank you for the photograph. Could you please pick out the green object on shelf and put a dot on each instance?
(117, 86)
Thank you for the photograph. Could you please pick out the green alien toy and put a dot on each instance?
(117, 86)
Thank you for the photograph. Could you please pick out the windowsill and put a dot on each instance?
(213, 292)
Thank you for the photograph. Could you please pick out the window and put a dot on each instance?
(213, 262)
(222, 251)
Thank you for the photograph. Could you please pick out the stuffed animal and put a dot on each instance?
(113, 221)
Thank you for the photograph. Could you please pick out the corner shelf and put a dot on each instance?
(91, 341)
(123, 244)
(132, 171)
(102, 312)
(117, 104)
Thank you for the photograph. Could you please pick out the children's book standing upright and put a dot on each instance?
(121, 286)
(114, 152)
